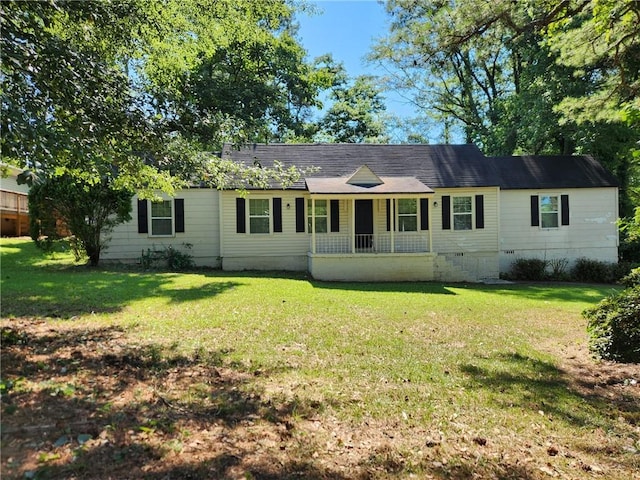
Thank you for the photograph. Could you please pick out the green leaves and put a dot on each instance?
(601, 43)
(356, 113)
(104, 98)
(89, 84)
(66, 204)
(536, 77)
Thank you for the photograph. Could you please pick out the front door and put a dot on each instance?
(364, 224)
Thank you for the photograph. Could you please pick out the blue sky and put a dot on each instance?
(347, 29)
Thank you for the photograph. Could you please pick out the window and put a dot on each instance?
(549, 211)
(259, 215)
(407, 215)
(462, 213)
(161, 218)
(321, 216)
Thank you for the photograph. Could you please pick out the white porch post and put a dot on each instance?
(313, 225)
(353, 225)
(392, 222)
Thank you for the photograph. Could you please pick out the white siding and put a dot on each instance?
(10, 183)
(466, 241)
(275, 250)
(473, 252)
(592, 231)
(201, 218)
(465, 254)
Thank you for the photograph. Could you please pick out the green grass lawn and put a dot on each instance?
(436, 380)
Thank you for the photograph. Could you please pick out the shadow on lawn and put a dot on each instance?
(85, 404)
(532, 385)
(99, 292)
(63, 291)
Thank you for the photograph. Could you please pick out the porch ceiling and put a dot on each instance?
(390, 185)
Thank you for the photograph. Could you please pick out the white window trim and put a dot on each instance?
(558, 212)
(416, 215)
(249, 216)
(472, 213)
(151, 218)
(309, 214)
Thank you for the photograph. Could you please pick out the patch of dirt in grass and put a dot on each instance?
(615, 383)
(88, 403)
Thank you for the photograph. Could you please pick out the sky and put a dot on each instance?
(348, 29)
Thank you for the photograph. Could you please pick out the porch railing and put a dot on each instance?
(372, 243)
(15, 202)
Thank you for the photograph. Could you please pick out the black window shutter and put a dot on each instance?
(277, 214)
(479, 211)
(424, 214)
(241, 223)
(535, 212)
(300, 214)
(143, 217)
(179, 206)
(564, 205)
(335, 215)
(388, 215)
(446, 212)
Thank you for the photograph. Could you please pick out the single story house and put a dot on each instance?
(388, 213)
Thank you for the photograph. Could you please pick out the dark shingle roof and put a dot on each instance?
(436, 166)
(551, 171)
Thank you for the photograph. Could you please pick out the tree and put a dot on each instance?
(65, 93)
(89, 210)
(602, 42)
(355, 114)
(122, 96)
(230, 71)
(504, 72)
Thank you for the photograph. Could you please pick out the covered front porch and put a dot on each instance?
(370, 228)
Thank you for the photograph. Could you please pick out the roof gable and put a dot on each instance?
(364, 177)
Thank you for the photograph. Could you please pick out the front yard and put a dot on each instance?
(118, 373)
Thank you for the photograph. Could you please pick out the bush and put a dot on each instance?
(629, 250)
(632, 279)
(528, 269)
(593, 271)
(558, 268)
(614, 327)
